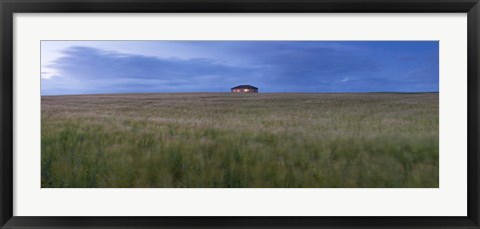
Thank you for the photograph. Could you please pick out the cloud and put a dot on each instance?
(296, 66)
(89, 70)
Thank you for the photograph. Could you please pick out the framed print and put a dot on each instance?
(239, 114)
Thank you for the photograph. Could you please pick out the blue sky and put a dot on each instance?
(92, 67)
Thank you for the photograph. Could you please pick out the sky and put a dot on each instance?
(99, 67)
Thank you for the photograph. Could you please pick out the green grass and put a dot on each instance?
(207, 140)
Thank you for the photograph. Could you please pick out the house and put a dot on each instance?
(244, 89)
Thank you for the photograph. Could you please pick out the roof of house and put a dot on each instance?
(244, 87)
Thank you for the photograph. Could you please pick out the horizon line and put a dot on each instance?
(131, 93)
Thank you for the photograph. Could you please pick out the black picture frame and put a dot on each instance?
(9, 7)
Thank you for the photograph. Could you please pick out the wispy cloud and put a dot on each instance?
(90, 70)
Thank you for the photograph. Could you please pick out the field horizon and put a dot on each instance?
(228, 92)
(236, 140)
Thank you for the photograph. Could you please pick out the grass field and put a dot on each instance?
(207, 140)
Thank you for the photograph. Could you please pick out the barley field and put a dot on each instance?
(224, 140)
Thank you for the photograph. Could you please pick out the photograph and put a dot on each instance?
(239, 113)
